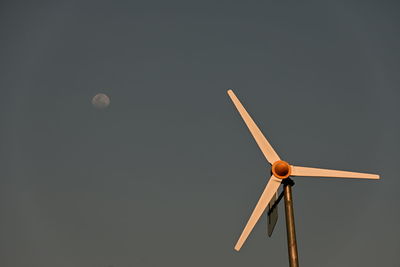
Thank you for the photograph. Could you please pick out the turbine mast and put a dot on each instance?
(290, 227)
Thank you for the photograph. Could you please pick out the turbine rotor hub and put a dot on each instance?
(281, 169)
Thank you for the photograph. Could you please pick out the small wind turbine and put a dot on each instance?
(281, 171)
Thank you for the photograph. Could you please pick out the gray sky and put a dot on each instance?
(168, 174)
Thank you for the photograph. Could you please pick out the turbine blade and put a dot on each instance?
(262, 142)
(266, 196)
(306, 171)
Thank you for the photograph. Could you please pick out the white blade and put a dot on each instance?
(305, 171)
(262, 142)
(266, 196)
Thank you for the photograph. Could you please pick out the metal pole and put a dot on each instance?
(290, 228)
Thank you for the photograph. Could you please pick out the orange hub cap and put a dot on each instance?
(281, 169)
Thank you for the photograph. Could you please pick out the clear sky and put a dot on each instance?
(168, 174)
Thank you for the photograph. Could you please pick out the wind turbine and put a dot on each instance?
(281, 171)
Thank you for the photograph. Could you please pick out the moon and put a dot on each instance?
(100, 101)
